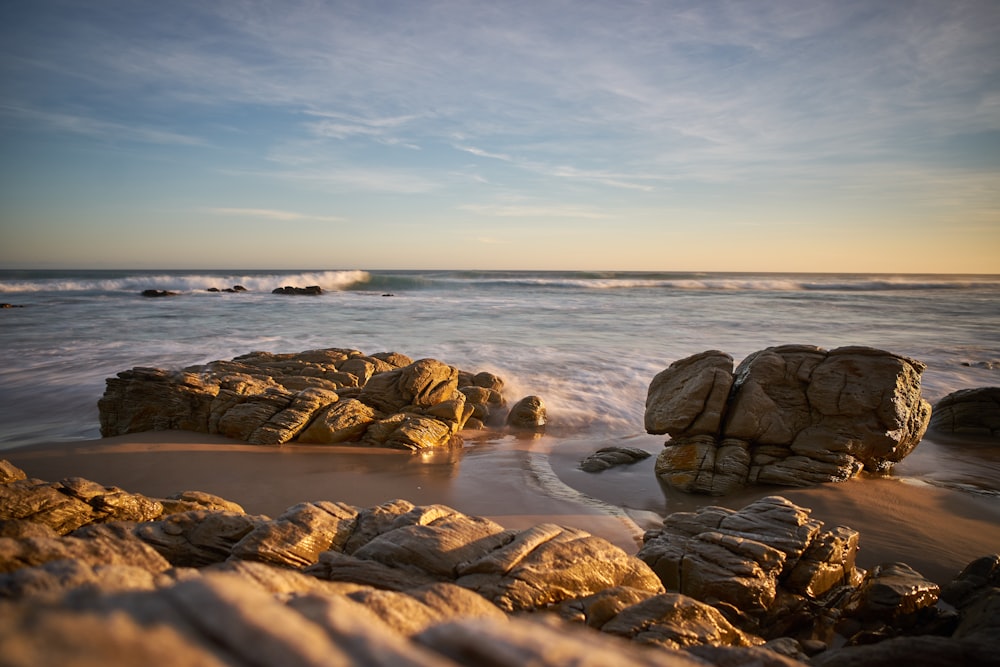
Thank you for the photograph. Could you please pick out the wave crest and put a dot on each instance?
(331, 281)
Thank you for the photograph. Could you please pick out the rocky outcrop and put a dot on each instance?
(329, 396)
(974, 412)
(399, 584)
(793, 415)
(747, 558)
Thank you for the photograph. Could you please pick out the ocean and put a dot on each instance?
(587, 342)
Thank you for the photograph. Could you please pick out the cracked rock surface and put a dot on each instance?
(793, 415)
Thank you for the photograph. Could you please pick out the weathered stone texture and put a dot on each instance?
(792, 415)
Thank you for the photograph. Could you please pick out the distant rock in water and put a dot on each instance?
(311, 290)
(327, 396)
(158, 292)
(792, 415)
(974, 412)
(231, 290)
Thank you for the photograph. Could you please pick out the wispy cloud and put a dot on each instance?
(101, 129)
(534, 211)
(334, 125)
(479, 152)
(272, 214)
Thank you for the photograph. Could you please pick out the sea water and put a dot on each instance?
(587, 342)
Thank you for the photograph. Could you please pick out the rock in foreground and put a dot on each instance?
(793, 415)
(328, 396)
(192, 580)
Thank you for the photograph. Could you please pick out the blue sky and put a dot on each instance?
(663, 135)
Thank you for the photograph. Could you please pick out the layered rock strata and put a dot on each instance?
(328, 396)
(792, 415)
(193, 580)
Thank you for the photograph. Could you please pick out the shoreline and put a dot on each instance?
(518, 483)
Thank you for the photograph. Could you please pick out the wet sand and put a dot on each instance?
(520, 483)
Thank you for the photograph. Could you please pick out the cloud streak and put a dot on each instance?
(273, 214)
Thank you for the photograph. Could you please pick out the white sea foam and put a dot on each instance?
(184, 282)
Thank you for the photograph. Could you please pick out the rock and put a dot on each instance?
(745, 558)
(340, 567)
(608, 457)
(791, 415)
(435, 540)
(412, 432)
(157, 293)
(676, 621)
(420, 608)
(486, 405)
(689, 397)
(44, 503)
(926, 651)
(549, 564)
(96, 548)
(311, 290)
(977, 578)
(974, 412)
(199, 537)
(528, 414)
(890, 591)
(195, 500)
(56, 577)
(10, 472)
(541, 642)
(326, 583)
(359, 631)
(299, 535)
(326, 396)
(342, 421)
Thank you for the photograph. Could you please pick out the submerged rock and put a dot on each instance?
(608, 457)
(792, 415)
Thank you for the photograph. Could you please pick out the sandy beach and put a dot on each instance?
(519, 483)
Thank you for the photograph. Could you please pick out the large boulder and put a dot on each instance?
(326, 396)
(791, 415)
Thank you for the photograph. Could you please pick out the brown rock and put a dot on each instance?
(974, 412)
(676, 621)
(690, 395)
(299, 535)
(548, 564)
(420, 608)
(343, 421)
(528, 413)
(199, 537)
(791, 415)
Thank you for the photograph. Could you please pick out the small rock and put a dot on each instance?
(608, 457)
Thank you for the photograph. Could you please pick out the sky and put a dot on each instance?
(714, 135)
